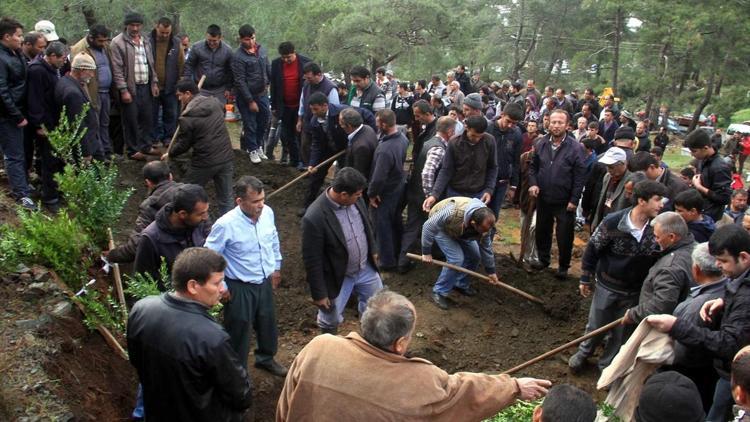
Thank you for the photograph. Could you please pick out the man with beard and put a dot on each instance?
(364, 92)
(169, 60)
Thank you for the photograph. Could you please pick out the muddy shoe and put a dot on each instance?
(538, 266)
(440, 301)
(273, 367)
(561, 274)
(577, 362)
(468, 291)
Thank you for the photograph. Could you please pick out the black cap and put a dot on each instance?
(669, 396)
(133, 17)
(624, 132)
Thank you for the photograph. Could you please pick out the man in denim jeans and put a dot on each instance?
(12, 98)
(251, 75)
(460, 226)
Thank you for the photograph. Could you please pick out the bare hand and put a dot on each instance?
(87, 159)
(164, 157)
(428, 203)
(626, 319)
(253, 106)
(227, 94)
(697, 181)
(23, 123)
(276, 279)
(298, 126)
(510, 193)
(154, 90)
(585, 289)
(571, 207)
(710, 309)
(534, 191)
(324, 303)
(427, 258)
(531, 388)
(375, 202)
(662, 323)
(41, 132)
(226, 296)
(126, 97)
(311, 169)
(493, 279)
(486, 197)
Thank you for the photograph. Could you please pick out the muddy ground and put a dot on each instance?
(491, 332)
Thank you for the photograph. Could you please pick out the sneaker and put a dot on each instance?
(27, 203)
(262, 154)
(440, 301)
(273, 367)
(577, 362)
(254, 157)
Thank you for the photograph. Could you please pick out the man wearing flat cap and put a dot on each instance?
(70, 92)
(135, 78)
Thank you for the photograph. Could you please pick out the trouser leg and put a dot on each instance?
(265, 323)
(454, 254)
(543, 235)
(415, 218)
(12, 144)
(565, 232)
(238, 318)
(103, 115)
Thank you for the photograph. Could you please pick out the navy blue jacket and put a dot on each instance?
(251, 73)
(388, 165)
(41, 107)
(608, 135)
(332, 140)
(508, 152)
(560, 179)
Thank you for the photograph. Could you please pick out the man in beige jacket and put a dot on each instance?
(367, 377)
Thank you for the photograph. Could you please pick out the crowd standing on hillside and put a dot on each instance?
(669, 251)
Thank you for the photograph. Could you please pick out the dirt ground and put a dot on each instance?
(491, 332)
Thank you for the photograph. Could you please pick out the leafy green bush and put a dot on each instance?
(521, 411)
(102, 311)
(141, 285)
(56, 242)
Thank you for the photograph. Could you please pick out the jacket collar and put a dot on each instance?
(368, 348)
(686, 241)
(171, 300)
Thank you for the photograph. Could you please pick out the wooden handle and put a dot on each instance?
(118, 279)
(177, 129)
(565, 346)
(479, 276)
(305, 174)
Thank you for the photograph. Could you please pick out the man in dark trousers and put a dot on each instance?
(508, 139)
(43, 115)
(211, 58)
(714, 176)
(608, 126)
(328, 138)
(287, 79)
(339, 250)
(185, 363)
(386, 188)
(469, 166)
(362, 141)
(169, 60)
(315, 81)
(203, 130)
(425, 116)
(181, 224)
(556, 178)
(70, 93)
(725, 325)
(161, 190)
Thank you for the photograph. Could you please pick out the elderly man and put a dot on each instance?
(183, 357)
(368, 376)
(247, 238)
(725, 325)
(338, 249)
(362, 141)
(695, 362)
(669, 280)
(134, 75)
(618, 255)
(460, 226)
(612, 196)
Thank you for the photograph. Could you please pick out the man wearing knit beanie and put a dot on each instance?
(669, 396)
(134, 76)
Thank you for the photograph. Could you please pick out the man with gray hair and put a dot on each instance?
(669, 280)
(362, 141)
(368, 376)
(695, 362)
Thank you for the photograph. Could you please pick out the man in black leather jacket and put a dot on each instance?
(183, 357)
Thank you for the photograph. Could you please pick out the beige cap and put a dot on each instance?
(83, 61)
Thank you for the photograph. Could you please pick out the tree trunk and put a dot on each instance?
(517, 44)
(89, 16)
(616, 48)
(653, 112)
(704, 102)
(686, 70)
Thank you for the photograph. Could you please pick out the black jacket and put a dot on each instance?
(608, 134)
(332, 139)
(216, 65)
(424, 136)
(508, 152)
(41, 107)
(324, 247)
(674, 186)
(729, 332)
(70, 94)
(619, 261)
(467, 168)
(388, 165)
(560, 179)
(717, 177)
(185, 362)
(251, 73)
(172, 71)
(12, 84)
(161, 240)
(361, 150)
(202, 128)
(277, 81)
(162, 194)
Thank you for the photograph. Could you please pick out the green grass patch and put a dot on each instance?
(676, 160)
(508, 229)
(740, 116)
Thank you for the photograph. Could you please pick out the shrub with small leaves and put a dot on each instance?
(103, 311)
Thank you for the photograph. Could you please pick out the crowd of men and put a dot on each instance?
(421, 168)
